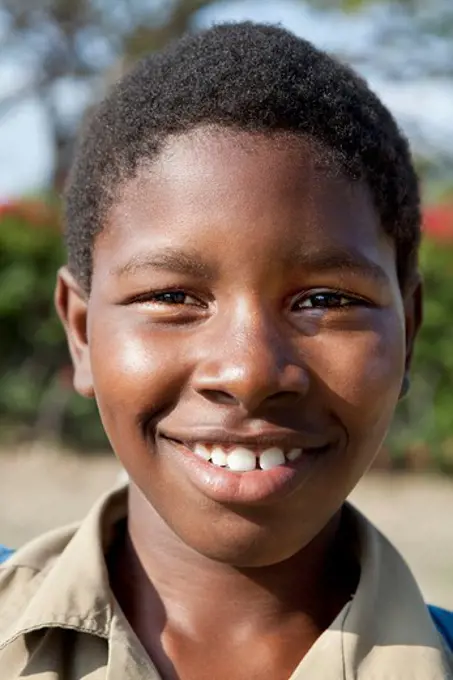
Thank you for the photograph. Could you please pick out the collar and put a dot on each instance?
(67, 582)
(385, 631)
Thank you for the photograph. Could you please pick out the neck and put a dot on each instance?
(162, 578)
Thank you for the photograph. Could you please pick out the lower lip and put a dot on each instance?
(255, 487)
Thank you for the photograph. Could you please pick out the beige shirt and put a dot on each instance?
(59, 620)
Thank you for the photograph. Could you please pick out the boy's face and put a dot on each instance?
(242, 295)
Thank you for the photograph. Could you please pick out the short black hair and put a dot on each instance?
(252, 77)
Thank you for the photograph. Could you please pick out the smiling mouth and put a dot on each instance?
(240, 458)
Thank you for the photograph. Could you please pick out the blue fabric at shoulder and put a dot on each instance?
(444, 623)
(5, 553)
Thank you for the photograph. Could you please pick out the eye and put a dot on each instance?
(167, 298)
(173, 298)
(328, 300)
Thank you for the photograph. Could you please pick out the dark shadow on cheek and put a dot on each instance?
(309, 324)
(355, 319)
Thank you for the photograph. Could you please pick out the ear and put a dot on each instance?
(72, 306)
(413, 312)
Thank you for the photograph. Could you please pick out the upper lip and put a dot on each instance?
(283, 440)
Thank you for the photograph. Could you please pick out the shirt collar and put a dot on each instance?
(71, 586)
(397, 635)
(385, 631)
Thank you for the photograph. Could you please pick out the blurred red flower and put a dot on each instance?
(35, 212)
(438, 222)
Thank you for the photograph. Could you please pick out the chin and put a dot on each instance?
(244, 546)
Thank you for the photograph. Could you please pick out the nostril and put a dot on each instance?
(219, 397)
(225, 398)
(284, 396)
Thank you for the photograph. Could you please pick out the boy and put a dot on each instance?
(242, 299)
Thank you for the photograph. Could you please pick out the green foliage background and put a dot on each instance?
(423, 425)
(36, 395)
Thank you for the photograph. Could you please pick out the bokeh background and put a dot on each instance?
(57, 59)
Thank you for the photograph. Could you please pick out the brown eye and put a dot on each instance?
(173, 297)
(327, 300)
(174, 302)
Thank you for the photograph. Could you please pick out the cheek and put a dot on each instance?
(363, 371)
(143, 373)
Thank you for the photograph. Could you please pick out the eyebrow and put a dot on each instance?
(168, 259)
(336, 260)
(324, 261)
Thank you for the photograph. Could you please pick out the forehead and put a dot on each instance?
(225, 190)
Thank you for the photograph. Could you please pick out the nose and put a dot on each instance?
(252, 366)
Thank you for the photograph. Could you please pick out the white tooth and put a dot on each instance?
(271, 458)
(202, 452)
(241, 460)
(219, 457)
(294, 454)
